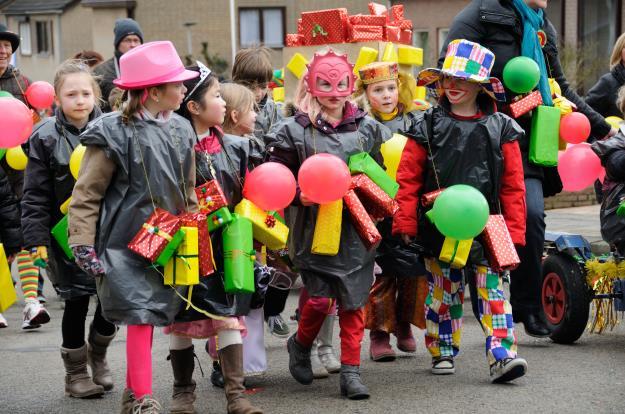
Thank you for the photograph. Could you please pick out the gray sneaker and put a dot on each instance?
(507, 370)
(277, 326)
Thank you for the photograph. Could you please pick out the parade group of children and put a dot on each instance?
(180, 128)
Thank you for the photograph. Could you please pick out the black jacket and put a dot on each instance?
(496, 25)
(105, 73)
(48, 184)
(10, 232)
(602, 96)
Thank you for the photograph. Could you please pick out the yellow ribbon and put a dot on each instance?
(155, 230)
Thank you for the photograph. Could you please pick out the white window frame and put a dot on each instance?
(261, 27)
(24, 31)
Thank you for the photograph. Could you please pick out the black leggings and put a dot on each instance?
(74, 319)
(275, 301)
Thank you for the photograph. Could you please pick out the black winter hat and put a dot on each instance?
(126, 27)
(5, 34)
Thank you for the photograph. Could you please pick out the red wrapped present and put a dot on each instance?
(155, 234)
(205, 246)
(427, 200)
(376, 201)
(294, 39)
(322, 27)
(500, 249)
(210, 197)
(367, 20)
(359, 33)
(300, 27)
(397, 12)
(406, 37)
(392, 34)
(404, 24)
(525, 104)
(378, 10)
(361, 220)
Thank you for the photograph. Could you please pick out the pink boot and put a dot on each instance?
(380, 349)
(405, 339)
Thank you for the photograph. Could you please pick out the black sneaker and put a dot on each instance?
(507, 370)
(277, 326)
(217, 376)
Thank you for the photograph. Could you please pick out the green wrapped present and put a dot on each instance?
(545, 136)
(170, 249)
(61, 235)
(363, 163)
(219, 218)
(239, 256)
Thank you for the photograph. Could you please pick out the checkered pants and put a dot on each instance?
(443, 308)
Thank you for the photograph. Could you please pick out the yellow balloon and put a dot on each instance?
(76, 159)
(16, 158)
(391, 151)
(614, 121)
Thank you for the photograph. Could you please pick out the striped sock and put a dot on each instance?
(29, 275)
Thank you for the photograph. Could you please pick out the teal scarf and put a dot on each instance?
(532, 22)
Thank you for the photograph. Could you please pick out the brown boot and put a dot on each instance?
(96, 356)
(128, 400)
(231, 359)
(78, 383)
(182, 364)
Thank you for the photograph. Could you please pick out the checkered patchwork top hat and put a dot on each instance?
(378, 72)
(468, 61)
(6, 34)
(151, 64)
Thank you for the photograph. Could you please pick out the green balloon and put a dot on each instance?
(5, 94)
(460, 212)
(521, 74)
(3, 151)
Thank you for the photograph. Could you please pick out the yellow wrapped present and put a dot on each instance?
(327, 235)
(409, 55)
(268, 229)
(297, 65)
(455, 252)
(7, 291)
(390, 53)
(366, 55)
(184, 268)
(278, 94)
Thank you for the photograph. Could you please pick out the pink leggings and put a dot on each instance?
(139, 359)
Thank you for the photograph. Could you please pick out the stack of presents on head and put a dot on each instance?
(382, 35)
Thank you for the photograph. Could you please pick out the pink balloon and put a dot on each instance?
(602, 175)
(16, 122)
(578, 167)
(574, 128)
(40, 95)
(271, 186)
(324, 178)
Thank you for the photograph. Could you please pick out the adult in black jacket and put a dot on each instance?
(602, 96)
(497, 25)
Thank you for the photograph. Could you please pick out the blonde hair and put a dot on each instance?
(617, 51)
(70, 67)
(252, 66)
(238, 98)
(406, 84)
(620, 100)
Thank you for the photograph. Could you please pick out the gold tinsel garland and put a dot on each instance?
(600, 276)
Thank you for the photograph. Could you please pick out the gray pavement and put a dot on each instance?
(588, 376)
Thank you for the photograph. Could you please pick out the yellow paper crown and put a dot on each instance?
(378, 72)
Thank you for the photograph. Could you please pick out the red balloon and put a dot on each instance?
(324, 178)
(574, 128)
(579, 167)
(271, 186)
(40, 95)
(16, 122)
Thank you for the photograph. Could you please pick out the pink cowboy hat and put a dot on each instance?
(151, 64)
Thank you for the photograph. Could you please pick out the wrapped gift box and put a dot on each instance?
(526, 104)
(169, 250)
(218, 218)
(500, 249)
(184, 268)
(267, 229)
(361, 220)
(294, 39)
(363, 163)
(409, 55)
(375, 200)
(455, 252)
(406, 37)
(327, 236)
(210, 197)
(7, 291)
(239, 256)
(427, 200)
(297, 65)
(61, 235)
(367, 20)
(378, 10)
(155, 234)
(392, 34)
(362, 33)
(205, 247)
(366, 55)
(397, 12)
(323, 27)
(545, 136)
(404, 24)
